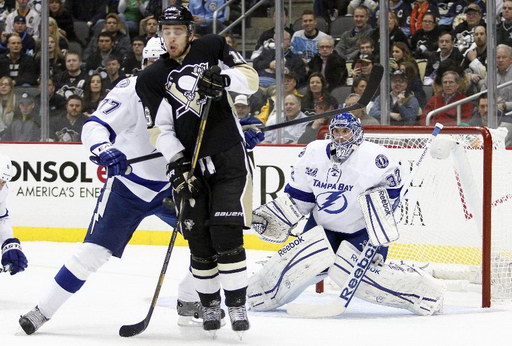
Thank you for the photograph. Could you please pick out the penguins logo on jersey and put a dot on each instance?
(182, 86)
(331, 202)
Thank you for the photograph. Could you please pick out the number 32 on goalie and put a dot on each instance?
(394, 179)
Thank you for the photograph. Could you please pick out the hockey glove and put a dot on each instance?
(184, 186)
(211, 83)
(253, 135)
(13, 259)
(111, 158)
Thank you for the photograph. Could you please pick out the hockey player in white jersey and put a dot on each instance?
(327, 183)
(116, 131)
(13, 258)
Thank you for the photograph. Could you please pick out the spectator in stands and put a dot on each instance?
(347, 47)
(413, 81)
(450, 93)
(460, 6)
(17, 65)
(404, 105)
(463, 32)
(7, 103)
(27, 41)
(132, 62)
(475, 62)
(90, 11)
(131, 13)
(57, 103)
(395, 33)
(55, 32)
(64, 20)
(290, 134)
(332, 66)
(56, 60)
(313, 129)
(72, 80)
(419, 9)
(26, 124)
(68, 127)
(504, 75)
(3, 42)
(114, 73)
(363, 66)
(366, 47)
(360, 113)
(305, 41)
(400, 52)
(504, 27)
(202, 11)
(359, 85)
(121, 44)
(242, 107)
(149, 27)
(105, 48)
(424, 41)
(231, 40)
(290, 87)
(32, 18)
(480, 112)
(268, 34)
(446, 51)
(265, 63)
(402, 9)
(316, 91)
(94, 93)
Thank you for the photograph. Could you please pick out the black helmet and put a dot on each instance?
(177, 15)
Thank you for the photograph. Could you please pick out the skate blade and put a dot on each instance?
(213, 333)
(189, 321)
(240, 334)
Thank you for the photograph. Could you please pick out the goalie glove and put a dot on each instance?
(211, 83)
(13, 258)
(274, 220)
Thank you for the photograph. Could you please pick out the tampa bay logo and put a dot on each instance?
(331, 202)
(181, 85)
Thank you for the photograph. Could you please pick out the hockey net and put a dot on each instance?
(455, 220)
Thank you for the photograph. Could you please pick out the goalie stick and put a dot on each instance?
(363, 262)
(135, 329)
(370, 90)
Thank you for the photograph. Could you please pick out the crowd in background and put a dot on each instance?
(438, 55)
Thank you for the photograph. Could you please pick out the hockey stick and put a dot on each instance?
(363, 262)
(135, 329)
(140, 159)
(370, 90)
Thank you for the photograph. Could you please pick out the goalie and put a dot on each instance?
(349, 187)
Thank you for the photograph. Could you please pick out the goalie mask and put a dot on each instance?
(346, 135)
(154, 48)
(6, 169)
(177, 15)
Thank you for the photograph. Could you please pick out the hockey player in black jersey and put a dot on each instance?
(174, 91)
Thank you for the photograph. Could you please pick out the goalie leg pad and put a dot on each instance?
(395, 285)
(291, 270)
(378, 215)
(274, 220)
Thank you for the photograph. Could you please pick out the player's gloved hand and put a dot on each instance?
(253, 135)
(211, 83)
(184, 186)
(13, 258)
(111, 158)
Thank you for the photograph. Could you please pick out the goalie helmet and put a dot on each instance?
(344, 144)
(6, 169)
(177, 15)
(154, 48)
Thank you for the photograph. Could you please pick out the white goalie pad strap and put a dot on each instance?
(378, 216)
(442, 146)
(291, 270)
(274, 220)
(395, 285)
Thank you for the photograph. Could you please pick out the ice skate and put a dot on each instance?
(32, 320)
(190, 314)
(212, 316)
(239, 320)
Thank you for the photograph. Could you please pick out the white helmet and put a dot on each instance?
(153, 49)
(6, 169)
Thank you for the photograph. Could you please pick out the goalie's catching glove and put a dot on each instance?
(211, 83)
(184, 186)
(13, 258)
(111, 158)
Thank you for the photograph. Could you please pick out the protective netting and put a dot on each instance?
(440, 218)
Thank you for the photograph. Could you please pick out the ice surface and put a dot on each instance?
(121, 291)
